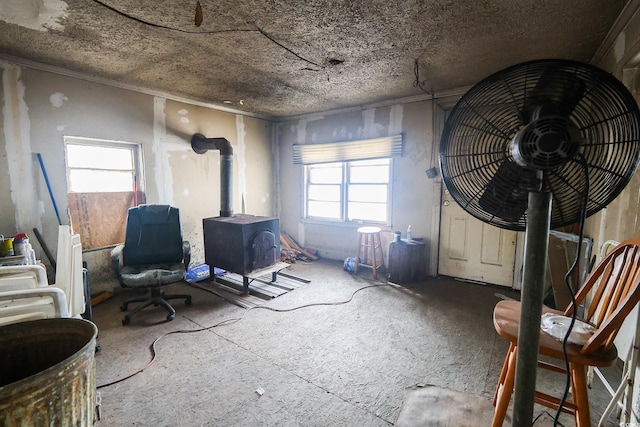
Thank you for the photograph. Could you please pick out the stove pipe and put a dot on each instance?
(201, 144)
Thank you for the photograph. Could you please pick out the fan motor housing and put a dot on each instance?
(546, 143)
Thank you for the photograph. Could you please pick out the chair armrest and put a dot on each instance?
(38, 272)
(116, 259)
(186, 253)
(22, 301)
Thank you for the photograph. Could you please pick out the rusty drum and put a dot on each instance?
(47, 373)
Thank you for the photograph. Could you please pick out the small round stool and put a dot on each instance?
(369, 250)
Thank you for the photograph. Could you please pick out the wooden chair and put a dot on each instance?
(369, 250)
(613, 291)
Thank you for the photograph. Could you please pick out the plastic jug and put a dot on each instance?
(21, 246)
(6, 246)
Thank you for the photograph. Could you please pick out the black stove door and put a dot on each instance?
(264, 249)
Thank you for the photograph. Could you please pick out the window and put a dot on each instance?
(368, 188)
(103, 181)
(350, 180)
(101, 166)
(349, 191)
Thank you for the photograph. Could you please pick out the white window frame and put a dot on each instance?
(344, 196)
(135, 148)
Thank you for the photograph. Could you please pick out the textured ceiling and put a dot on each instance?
(278, 58)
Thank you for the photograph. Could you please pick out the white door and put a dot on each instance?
(472, 250)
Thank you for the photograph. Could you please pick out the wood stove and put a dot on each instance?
(241, 243)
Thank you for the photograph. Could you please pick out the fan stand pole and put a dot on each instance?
(532, 295)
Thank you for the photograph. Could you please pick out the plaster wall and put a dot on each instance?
(41, 108)
(413, 195)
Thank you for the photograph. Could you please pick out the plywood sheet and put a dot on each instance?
(558, 267)
(433, 406)
(100, 218)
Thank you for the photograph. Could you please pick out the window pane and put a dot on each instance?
(364, 174)
(368, 193)
(329, 193)
(368, 211)
(93, 181)
(95, 157)
(330, 173)
(324, 209)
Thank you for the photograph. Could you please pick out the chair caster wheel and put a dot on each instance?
(170, 317)
(126, 321)
(187, 301)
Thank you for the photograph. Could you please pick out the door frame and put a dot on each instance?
(441, 107)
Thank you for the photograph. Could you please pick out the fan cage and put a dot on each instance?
(478, 167)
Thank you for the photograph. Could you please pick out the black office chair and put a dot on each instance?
(153, 255)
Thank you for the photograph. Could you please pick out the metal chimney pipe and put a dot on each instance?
(201, 144)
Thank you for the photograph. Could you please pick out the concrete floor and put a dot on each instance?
(346, 364)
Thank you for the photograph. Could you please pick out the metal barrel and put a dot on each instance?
(47, 373)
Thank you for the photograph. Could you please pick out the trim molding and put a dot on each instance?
(446, 95)
(629, 10)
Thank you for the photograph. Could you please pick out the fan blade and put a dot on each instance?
(506, 194)
(557, 92)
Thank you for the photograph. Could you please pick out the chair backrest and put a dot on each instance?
(30, 304)
(69, 269)
(615, 290)
(18, 277)
(153, 235)
(26, 294)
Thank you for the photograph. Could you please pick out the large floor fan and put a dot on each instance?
(515, 153)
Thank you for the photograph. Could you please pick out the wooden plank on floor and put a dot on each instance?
(268, 270)
(433, 406)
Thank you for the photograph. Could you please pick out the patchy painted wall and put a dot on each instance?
(619, 221)
(19, 151)
(7, 210)
(196, 177)
(40, 108)
(413, 195)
